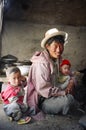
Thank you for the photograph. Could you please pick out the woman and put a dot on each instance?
(43, 92)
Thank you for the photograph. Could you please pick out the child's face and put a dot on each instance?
(65, 69)
(14, 78)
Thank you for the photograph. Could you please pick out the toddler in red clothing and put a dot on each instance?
(13, 96)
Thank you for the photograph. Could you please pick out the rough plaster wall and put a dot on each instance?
(22, 39)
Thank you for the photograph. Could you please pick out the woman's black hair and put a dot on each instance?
(58, 38)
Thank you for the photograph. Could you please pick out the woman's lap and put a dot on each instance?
(54, 105)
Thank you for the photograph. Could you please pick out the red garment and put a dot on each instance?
(10, 92)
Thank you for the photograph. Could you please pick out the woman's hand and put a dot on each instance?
(70, 87)
(59, 93)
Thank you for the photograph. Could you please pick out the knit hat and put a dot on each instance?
(65, 62)
(51, 33)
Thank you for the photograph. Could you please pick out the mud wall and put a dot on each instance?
(22, 39)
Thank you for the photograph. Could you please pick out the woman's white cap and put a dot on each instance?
(51, 33)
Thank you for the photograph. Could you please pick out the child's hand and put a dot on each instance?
(23, 79)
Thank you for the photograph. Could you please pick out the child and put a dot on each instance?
(65, 74)
(13, 96)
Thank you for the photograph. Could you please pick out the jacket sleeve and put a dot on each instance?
(41, 78)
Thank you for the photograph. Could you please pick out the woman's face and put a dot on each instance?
(55, 49)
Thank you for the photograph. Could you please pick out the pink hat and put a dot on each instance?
(65, 62)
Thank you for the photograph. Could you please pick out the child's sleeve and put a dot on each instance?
(12, 99)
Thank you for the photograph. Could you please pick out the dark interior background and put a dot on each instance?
(65, 12)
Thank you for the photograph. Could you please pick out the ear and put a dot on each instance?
(46, 46)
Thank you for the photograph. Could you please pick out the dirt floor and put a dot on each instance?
(51, 122)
